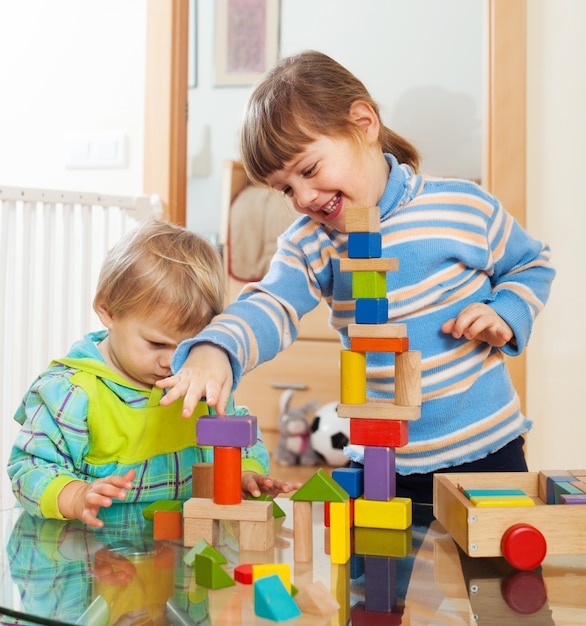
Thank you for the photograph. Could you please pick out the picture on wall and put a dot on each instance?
(246, 40)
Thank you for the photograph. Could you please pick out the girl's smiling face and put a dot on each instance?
(333, 173)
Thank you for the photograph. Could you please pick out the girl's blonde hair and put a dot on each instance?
(304, 96)
(161, 266)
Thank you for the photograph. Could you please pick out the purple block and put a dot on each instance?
(572, 498)
(380, 482)
(380, 583)
(233, 431)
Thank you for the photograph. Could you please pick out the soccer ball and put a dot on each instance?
(330, 434)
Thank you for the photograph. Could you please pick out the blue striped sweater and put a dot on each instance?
(456, 245)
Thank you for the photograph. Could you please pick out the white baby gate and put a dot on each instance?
(52, 244)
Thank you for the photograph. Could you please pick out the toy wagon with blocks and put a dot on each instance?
(521, 534)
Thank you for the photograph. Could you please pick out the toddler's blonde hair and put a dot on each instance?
(161, 266)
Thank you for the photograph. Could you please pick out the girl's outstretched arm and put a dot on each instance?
(206, 374)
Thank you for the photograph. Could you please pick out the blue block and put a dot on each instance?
(272, 600)
(364, 245)
(351, 479)
(372, 311)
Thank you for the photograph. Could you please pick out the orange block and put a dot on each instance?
(227, 475)
(379, 344)
(167, 525)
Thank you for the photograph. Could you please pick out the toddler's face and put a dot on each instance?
(330, 175)
(140, 348)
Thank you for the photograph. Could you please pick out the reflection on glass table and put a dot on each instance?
(54, 572)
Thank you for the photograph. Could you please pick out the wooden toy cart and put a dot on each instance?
(523, 535)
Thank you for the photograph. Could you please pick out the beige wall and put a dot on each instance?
(556, 211)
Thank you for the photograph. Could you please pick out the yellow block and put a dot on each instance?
(396, 513)
(486, 501)
(283, 570)
(352, 377)
(340, 532)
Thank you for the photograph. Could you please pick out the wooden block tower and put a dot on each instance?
(228, 434)
(380, 427)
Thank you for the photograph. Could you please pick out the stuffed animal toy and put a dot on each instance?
(294, 444)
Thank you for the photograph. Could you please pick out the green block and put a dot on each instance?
(321, 487)
(473, 493)
(161, 505)
(369, 284)
(203, 547)
(277, 510)
(210, 574)
(272, 600)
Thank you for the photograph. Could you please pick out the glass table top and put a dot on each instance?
(54, 572)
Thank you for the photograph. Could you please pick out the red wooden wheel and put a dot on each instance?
(523, 546)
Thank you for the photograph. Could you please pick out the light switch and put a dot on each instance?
(106, 149)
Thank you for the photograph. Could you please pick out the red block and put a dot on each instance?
(375, 432)
(227, 475)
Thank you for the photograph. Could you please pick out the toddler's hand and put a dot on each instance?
(479, 321)
(206, 373)
(83, 501)
(255, 484)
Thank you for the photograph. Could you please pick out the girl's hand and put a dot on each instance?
(479, 321)
(206, 373)
(83, 501)
(255, 484)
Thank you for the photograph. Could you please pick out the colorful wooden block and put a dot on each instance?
(380, 583)
(340, 532)
(470, 493)
(377, 344)
(361, 616)
(369, 284)
(238, 431)
(382, 264)
(408, 378)
(379, 432)
(395, 514)
(572, 498)
(372, 311)
(272, 600)
(364, 245)
(204, 547)
(283, 570)
(243, 573)
(381, 331)
(168, 525)
(327, 513)
(352, 377)
(210, 574)
(316, 599)
(363, 219)
(560, 488)
(160, 505)
(351, 479)
(379, 411)
(383, 542)
(500, 501)
(321, 487)
(302, 531)
(546, 489)
(380, 482)
(202, 480)
(227, 475)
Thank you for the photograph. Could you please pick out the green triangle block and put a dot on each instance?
(203, 547)
(277, 510)
(272, 600)
(211, 575)
(160, 505)
(321, 487)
